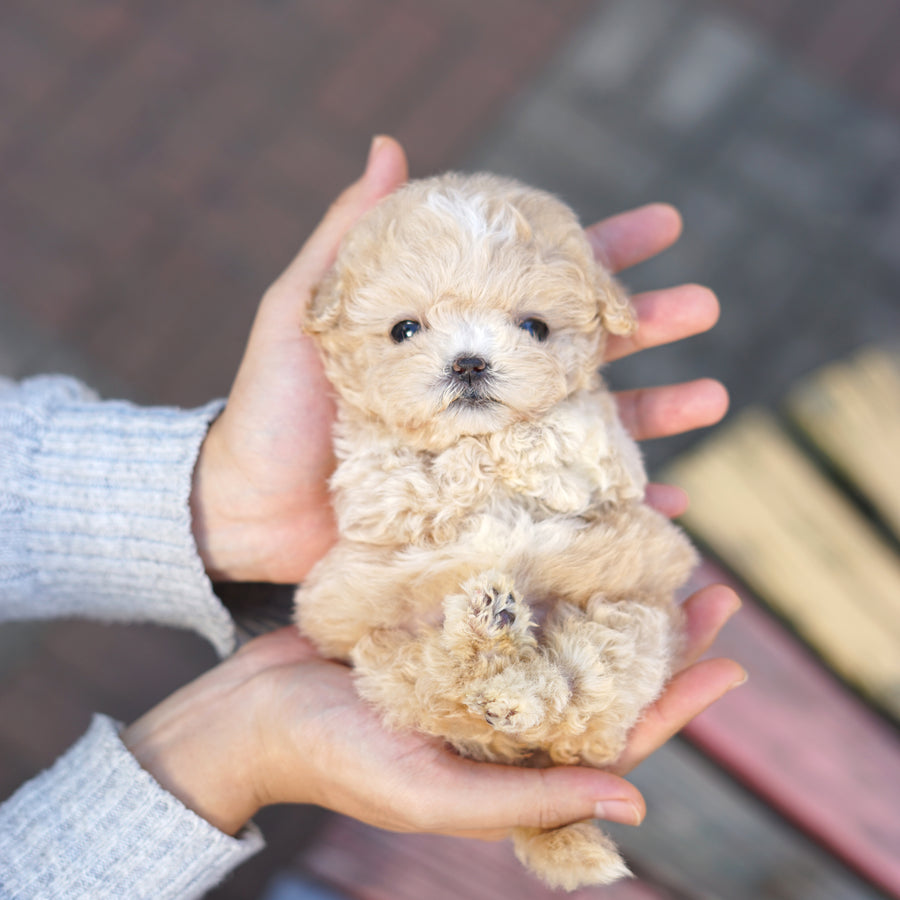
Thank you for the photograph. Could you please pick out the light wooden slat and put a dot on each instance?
(851, 411)
(773, 518)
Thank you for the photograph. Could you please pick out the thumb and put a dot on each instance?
(386, 169)
(500, 797)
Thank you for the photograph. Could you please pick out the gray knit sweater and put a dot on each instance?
(95, 522)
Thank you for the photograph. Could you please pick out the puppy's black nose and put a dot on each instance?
(469, 368)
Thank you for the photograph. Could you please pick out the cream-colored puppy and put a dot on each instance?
(499, 581)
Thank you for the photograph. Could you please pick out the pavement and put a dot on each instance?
(160, 162)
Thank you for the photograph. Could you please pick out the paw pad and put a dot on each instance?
(493, 607)
(510, 714)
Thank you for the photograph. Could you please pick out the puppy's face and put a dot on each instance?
(461, 305)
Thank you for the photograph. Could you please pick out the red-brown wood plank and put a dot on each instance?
(370, 864)
(806, 744)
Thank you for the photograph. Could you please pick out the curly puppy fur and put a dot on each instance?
(499, 581)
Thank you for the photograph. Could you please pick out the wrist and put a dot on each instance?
(223, 541)
(198, 747)
(253, 521)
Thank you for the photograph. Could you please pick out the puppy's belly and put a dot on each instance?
(515, 547)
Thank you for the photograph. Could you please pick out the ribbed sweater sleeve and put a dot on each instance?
(94, 510)
(96, 826)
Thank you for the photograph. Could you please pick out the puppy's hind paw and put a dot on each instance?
(528, 695)
(512, 715)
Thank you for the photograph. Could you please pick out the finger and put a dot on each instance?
(688, 694)
(490, 835)
(706, 612)
(631, 237)
(668, 499)
(666, 316)
(499, 797)
(663, 411)
(386, 169)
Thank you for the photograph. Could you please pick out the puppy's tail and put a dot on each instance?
(570, 857)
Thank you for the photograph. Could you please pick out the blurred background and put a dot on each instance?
(161, 161)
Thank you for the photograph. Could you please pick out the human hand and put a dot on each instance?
(277, 723)
(260, 504)
(260, 501)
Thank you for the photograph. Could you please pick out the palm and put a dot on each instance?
(278, 426)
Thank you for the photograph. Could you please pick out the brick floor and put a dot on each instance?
(162, 163)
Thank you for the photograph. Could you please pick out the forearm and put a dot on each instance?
(94, 510)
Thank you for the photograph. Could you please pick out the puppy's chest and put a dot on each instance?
(399, 496)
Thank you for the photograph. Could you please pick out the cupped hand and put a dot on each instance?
(277, 723)
(260, 502)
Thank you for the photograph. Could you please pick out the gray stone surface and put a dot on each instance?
(790, 189)
(704, 69)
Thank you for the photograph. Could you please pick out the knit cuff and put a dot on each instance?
(96, 825)
(102, 520)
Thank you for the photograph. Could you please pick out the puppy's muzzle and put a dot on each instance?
(469, 369)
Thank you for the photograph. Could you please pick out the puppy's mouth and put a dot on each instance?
(469, 385)
(472, 399)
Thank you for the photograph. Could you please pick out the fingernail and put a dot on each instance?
(740, 681)
(377, 141)
(623, 811)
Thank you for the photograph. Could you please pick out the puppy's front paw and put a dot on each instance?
(493, 606)
(489, 619)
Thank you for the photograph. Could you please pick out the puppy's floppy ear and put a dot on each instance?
(615, 309)
(324, 307)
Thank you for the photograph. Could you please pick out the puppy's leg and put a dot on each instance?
(509, 682)
(632, 552)
(617, 656)
(354, 590)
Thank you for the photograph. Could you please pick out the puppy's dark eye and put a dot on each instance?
(536, 328)
(404, 330)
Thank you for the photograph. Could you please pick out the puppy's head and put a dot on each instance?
(462, 304)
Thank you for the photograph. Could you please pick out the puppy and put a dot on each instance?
(498, 581)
